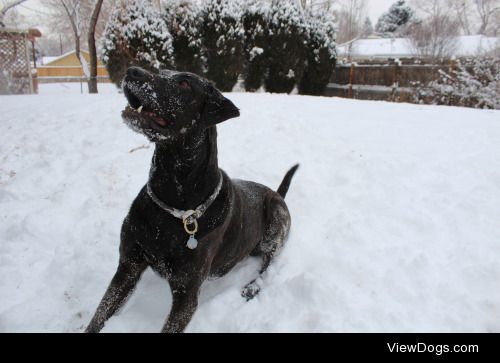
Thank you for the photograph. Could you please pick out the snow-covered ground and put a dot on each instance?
(395, 215)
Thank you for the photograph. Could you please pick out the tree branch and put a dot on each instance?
(7, 7)
(92, 47)
(10, 5)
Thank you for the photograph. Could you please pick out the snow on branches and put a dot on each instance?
(275, 43)
(135, 34)
(222, 36)
(399, 14)
(473, 83)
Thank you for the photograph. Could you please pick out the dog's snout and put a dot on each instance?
(137, 74)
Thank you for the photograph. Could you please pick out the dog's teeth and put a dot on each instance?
(139, 109)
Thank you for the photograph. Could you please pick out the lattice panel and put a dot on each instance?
(14, 63)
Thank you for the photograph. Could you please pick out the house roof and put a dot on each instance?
(48, 60)
(383, 47)
(474, 44)
(401, 47)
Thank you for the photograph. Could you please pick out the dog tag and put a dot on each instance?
(192, 242)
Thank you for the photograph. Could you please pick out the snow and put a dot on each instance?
(255, 52)
(58, 89)
(401, 47)
(85, 66)
(385, 47)
(47, 60)
(476, 44)
(395, 215)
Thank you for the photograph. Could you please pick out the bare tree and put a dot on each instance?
(5, 6)
(82, 21)
(77, 11)
(463, 12)
(495, 27)
(435, 36)
(367, 28)
(92, 47)
(324, 4)
(477, 16)
(351, 15)
(486, 10)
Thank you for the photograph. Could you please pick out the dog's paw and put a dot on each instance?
(251, 290)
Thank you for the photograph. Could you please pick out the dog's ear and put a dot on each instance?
(218, 108)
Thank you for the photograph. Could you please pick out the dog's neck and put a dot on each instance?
(184, 175)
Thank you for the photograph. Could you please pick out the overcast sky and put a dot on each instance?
(377, 7)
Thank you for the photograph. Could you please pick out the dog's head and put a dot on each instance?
(170, 105)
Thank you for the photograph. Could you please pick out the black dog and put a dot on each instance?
(219, 221)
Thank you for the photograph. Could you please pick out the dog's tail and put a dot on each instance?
(285, 184)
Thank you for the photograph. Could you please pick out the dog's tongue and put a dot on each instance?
(160, 121)
(157, 119)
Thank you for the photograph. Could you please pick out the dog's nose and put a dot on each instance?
(137, 74)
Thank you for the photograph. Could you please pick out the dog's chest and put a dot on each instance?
(162, 239)
(163, 243)
(164, 248)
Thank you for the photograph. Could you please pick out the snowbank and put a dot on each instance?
(395, 216)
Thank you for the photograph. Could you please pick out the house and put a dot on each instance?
(386, 48)
(67, 68)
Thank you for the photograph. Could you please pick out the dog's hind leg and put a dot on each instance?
(125, 279)
(278, 226)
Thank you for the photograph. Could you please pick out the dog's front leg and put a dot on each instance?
(122, 284)
(184, 304)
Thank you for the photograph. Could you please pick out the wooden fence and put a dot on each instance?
(392, 82)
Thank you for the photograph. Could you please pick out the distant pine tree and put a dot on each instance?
(135, 35)
(286, 49)
(399, 14)
(222, 34)
(321, 53)
(367, 27)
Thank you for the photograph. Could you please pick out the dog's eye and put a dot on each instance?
(184, 85)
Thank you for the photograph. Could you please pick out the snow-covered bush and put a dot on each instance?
(286, 49)
(136, 34)
(474, 83)
(399, 14)
(222, 34)
(321, 53)
(255, 24)
(182, 18)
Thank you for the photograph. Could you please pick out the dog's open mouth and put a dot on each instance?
(147, 115)
(143, 111)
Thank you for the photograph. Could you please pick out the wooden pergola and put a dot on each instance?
(15, 67)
